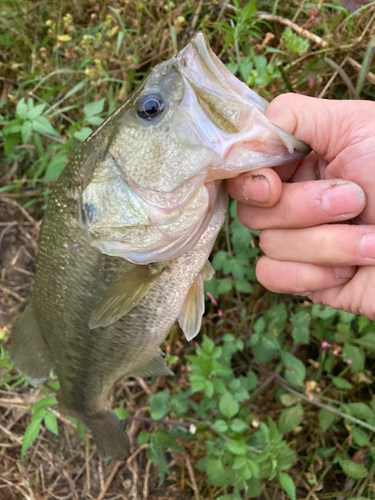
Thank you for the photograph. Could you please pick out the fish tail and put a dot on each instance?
(109, 435)
(28, 350)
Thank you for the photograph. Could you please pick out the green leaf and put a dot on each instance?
(254, 487)
(43, 126)
(243, 286)
(12, 127)
(31, 433)
(224, 286)
(290, 418)
(228, 405)
(143, 437)
(56, 166)
(359, 410)
(241, 236)
(220, 426)
(287, 485)
(355, 357)
(238, 425)
(323, 312)
(44, 403)
(159, 404)
(219, 259)
(367, 341)
(360, 437)
(94, 108)
(238, 447)
(301, 326)
(179, 403)
(215, 472)
(209, 388)
(276, 317)
(121, 413)
(120, 37)
(22, 108)
(250, 381)
(219, 386)
(260, 325)
(38, 415)
(83, 134)
(35, 111)
(352, 469)
(295, 370)
(208, 345)
(341, 383)
(50, 422)
(27, 128)
(326, 419)
(95, 120)
(288, 399)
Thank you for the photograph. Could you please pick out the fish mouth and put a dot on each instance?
(229, 116)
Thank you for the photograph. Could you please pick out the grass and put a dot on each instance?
(277, 399)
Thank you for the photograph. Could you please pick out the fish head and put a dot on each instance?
(192, 117)
(190, 125)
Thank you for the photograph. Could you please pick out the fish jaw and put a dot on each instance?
(230, 117)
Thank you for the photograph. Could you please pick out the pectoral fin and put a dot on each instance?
(123, 295)
(156, 367)
(190, 317)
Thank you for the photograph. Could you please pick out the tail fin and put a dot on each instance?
(109, 435)
(28, 350)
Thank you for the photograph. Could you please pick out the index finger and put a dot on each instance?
(327, 126)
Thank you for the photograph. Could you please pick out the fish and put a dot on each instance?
(128, 231)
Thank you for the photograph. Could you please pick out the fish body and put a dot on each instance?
(125, 240)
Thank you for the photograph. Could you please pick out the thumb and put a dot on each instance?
(327, 126)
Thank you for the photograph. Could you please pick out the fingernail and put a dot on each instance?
(342, 199)
(344, 272)
(257, 189)
(367, 246)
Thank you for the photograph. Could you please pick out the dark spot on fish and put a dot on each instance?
(90, 211)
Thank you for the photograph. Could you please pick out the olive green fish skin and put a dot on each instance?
(71, 279)
(139, 194)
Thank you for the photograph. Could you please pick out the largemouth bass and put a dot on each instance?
(128, 230)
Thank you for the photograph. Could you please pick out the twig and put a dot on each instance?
(21, 209)
(109, 480)
(165, 421)
(115, 469)
(301, 31)
(11, 293)
(145, 482)
(328, 84)
(196, 15)
(366, 481)
(327, 407)
(370, 76)
(84, 466)
(343, 75)
(192, 477)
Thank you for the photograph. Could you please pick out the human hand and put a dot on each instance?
(294, 206)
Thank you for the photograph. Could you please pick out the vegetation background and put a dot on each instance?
(276, 398)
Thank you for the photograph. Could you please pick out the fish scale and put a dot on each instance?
(128, 230)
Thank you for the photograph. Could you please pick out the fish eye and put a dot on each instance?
(150, 106)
